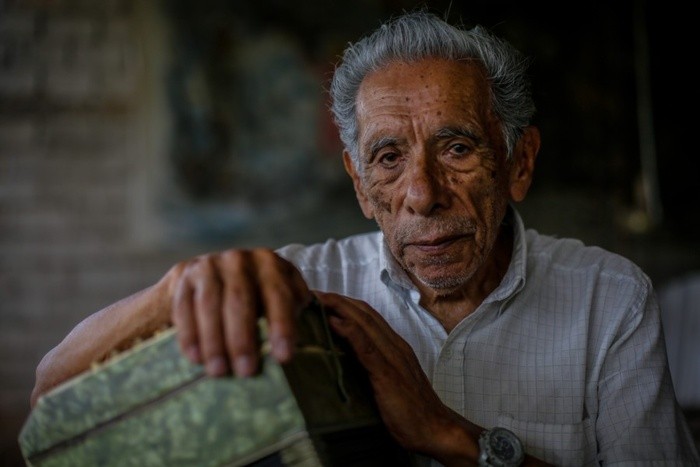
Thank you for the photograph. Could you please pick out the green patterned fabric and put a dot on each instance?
(149, 406)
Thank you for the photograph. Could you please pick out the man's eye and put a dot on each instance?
(460, 149)
(389, 159)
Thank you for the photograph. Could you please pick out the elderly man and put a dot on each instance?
(481, 338)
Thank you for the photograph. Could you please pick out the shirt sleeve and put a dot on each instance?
(639, 420)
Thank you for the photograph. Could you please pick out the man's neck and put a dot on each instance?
(452, 307)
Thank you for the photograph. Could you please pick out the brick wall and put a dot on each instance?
(70, 82)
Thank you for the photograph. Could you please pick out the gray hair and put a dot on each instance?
(418, 35)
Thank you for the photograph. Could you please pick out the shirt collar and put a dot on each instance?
(390, 271)
(513, 281)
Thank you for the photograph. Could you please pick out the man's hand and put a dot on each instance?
(409, 406)
(214, 300)
(218, 298)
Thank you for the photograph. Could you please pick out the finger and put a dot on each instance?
(354, 321)
(207, 312)
(374, 342)
(358, 311)
(283, 293)
(240, 312)
(400, 385)
(183, 319)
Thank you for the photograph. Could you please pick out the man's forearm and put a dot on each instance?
(107, 330)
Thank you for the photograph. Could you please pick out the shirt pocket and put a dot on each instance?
(561, 444)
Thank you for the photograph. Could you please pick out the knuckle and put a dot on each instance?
(271, 262)
(265, 257)
(203, 262)
(177, 270)
(233, 258)
(191, 268)
(199, 265)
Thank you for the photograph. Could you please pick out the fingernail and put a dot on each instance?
(216, 366)
(244, 366)
(282, 349)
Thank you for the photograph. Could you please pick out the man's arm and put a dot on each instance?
(638, 417)
(112, 328)
(214, 300)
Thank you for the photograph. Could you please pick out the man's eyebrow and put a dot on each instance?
(380, 143)
(455, 132)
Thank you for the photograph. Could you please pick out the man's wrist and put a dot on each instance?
(454, 442)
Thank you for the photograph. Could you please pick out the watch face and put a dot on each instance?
(505, 446)
(502, 446)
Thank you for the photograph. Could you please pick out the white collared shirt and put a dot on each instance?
(567, 351)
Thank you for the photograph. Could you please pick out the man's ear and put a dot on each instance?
(365, 205)
(523, 163)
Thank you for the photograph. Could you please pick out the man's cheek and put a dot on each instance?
(380, 200)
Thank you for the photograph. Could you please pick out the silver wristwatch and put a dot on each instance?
(500, 447)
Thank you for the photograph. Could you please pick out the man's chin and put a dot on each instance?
(443, 276)
(442, 284)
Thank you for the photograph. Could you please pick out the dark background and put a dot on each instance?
(183, 145)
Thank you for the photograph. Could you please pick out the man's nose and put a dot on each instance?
(427, 190)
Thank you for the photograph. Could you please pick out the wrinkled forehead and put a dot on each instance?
(437, 82)
(429, 94)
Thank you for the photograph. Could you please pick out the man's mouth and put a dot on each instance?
(437, 244)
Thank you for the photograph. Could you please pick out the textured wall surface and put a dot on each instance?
(67, 88)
